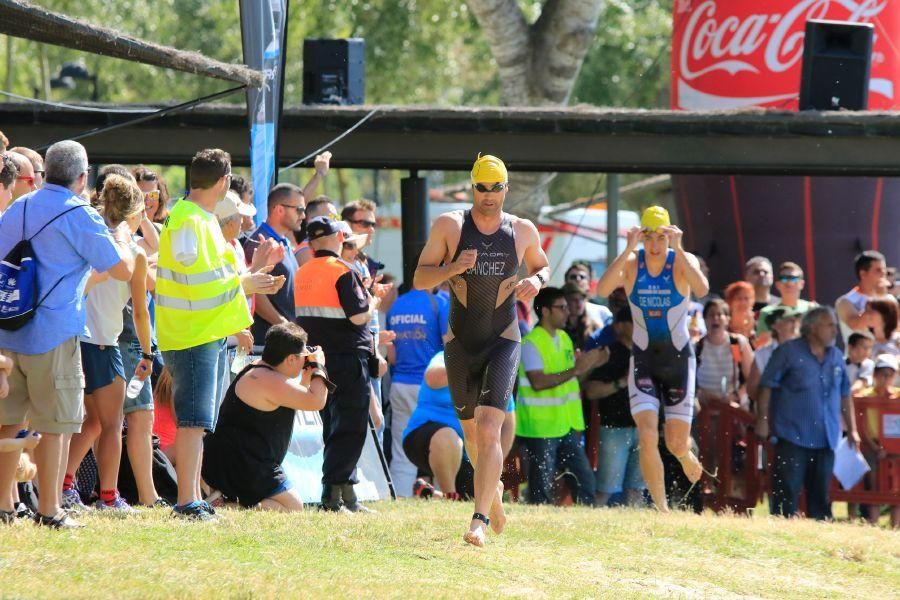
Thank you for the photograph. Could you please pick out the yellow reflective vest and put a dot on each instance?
(552, 412)
(203, 302)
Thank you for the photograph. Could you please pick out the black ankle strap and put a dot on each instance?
(481, 518)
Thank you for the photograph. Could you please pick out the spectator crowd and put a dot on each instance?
(172, 339)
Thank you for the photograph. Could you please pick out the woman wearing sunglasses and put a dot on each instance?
(156, 194)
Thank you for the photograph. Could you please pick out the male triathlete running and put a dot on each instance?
(480, 252)
(659, 279)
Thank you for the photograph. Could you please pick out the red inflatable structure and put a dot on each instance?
(732, 54)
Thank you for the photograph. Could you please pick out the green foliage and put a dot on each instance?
(628, 65)
(417, 52)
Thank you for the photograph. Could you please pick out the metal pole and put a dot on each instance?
(612, 217)
(381, 457)
(415, 222)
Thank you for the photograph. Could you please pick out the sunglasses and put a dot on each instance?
(364, 223)
(299, 209)
(497, 187)
(153, 196)
(28, 180)
(577, 277)
(789, 278)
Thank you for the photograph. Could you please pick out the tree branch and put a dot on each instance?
(508, 35)
(561, 38)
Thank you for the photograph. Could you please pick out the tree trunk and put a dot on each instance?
(538, 65)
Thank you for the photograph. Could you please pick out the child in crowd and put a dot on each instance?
(887, 395)
(26, 440)
(859, 366)
(164, 426)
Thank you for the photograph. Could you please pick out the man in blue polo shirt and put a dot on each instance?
(804, 391)
(286, 210)
(46, 385)
(419, 318)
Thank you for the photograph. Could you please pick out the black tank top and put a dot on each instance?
(477, 316)
(262, 436)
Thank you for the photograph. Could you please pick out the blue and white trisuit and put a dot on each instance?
(663, 365)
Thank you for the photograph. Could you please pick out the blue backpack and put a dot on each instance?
(18, 279)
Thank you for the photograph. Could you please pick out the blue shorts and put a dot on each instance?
(281, 487)
(101, 364)
(199, 381)
(618, 464)
(131, 356)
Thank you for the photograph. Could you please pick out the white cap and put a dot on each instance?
(886, 361)
(232, 205)
(350, 237)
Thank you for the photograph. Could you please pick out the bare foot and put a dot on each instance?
(692, 467)
(497, 516)
(475, 534)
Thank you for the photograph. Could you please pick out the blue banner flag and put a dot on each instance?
(264, 34)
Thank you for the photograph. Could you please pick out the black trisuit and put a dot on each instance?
(482, 354)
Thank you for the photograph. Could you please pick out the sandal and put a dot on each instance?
(7, 517)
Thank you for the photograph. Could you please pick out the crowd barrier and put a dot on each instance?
(738, 464)
(886, 488)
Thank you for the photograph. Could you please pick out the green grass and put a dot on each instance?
(415, 549)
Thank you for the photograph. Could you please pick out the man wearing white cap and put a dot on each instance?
(480, 251)
(230, 212)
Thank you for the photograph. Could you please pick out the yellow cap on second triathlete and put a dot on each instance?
(489, 169)
(655, 217)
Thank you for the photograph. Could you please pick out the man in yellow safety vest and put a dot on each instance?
(200, 301)
(549, 419)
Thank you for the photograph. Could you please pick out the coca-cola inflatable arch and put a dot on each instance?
(729, 54)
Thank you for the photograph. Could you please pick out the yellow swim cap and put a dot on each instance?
(489, 169)
(655, 217)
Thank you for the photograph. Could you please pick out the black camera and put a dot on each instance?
(309, 359)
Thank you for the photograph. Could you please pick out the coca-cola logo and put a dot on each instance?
(708, 44)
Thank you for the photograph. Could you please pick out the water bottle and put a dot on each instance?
(241, 360)
(134, 387)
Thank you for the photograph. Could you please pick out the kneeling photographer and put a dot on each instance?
(242, 458)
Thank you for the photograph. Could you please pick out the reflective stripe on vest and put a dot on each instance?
(202, 302)
(205, 304)
(222, 272)
(553, 412)
(554, 401)
(325, 312)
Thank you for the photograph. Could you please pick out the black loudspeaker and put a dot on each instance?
(334, 71)
(837, 57)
